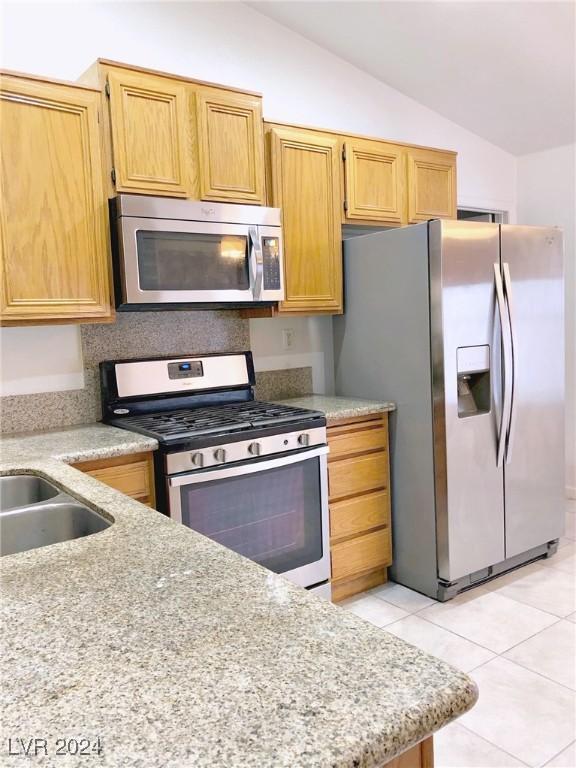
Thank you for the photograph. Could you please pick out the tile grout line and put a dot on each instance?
(535, 672)
(558, 753)
(505, 751)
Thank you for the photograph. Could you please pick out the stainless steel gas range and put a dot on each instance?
(248, 474)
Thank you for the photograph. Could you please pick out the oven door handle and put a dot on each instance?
(208, 475)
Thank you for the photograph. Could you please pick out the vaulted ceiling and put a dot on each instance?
(505, 70)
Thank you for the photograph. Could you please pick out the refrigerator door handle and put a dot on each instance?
(509, 304)
(506, 334)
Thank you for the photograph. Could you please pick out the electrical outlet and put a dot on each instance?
(287, 338)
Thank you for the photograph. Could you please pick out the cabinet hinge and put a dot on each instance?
(345, 206)
(107, 89)
(113, 175)
(344, 154)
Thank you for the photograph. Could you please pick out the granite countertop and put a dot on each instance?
(178, 652)
(84, 443)
(335, 407)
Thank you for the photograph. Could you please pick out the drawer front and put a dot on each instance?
(131, 479)
(344, 442)
(357, 515)
(350, 477)
(373, 550)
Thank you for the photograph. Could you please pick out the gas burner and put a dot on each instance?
(185, 424)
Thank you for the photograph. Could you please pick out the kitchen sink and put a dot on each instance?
(22, 490)
(34, 513)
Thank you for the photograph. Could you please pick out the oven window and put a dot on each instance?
(185, 261)
(273, 517)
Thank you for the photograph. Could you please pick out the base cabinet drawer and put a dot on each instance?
(346, 441)
(355, 516)
(360, 474)
(363, 553)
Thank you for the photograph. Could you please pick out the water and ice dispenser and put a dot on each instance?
(473, 373)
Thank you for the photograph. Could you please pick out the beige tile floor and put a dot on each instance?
(517, 638)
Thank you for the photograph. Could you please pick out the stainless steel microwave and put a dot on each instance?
(175, 254)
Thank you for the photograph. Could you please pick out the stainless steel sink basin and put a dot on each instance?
(22, 490)
(34, 513)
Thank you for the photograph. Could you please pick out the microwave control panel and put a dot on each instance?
(271, 262)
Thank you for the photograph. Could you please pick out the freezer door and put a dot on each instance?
(466, 380)
(532, 259)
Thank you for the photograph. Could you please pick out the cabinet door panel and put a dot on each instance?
(359, 514)
(231, 147)
(374, 181)
(358, 474)
(363, 553)
(150, 138)
(431, 185)
(53, 209)
(305, 184)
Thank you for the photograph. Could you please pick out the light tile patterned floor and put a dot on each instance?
(517, 638)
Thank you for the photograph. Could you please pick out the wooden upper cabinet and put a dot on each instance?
(150, 135)
(53, 211)
(431, 184)
(172, 136)
(374, 181)
(305, 183)
(230, 146)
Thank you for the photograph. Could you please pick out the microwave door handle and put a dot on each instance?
(248, 468)
(256, 263)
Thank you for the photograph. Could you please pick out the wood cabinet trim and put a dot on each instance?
(268, 122)
(171, 76)
(50, 80)
(338, 421)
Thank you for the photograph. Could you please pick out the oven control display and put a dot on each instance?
(185, 369)
(271, 260)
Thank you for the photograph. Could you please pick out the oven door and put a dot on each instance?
(169, 261)
(273, 511)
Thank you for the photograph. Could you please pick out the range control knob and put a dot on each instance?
(255, 449)
(304, 439)
(220, 454)
(197, 459)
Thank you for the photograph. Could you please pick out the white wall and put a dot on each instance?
(233, 44)
(547, 196)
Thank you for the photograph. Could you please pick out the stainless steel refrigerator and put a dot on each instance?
(461, 323)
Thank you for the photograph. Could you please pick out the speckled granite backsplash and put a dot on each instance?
(276, 385)
(134, 334)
